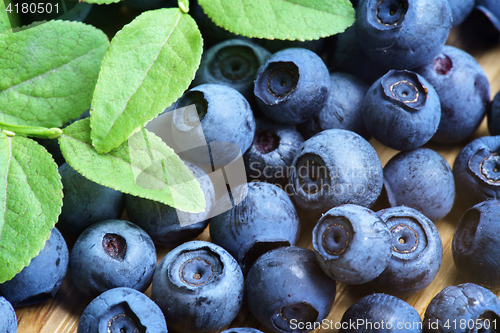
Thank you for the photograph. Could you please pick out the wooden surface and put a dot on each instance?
(61, 314)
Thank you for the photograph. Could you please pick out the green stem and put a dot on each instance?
(32, 131)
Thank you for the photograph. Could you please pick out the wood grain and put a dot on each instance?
(61, 314)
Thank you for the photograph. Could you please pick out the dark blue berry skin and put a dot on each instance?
(477, 170)
(43, 277)
(421, 179)
(332, 168)
(493, 114)
(162, 223)
(402, 110)
(469, 304)
(272, 151)
(8, 318)
(233, 63)
(381, 313)
(352, 244)
(491, 11)
(348, 56)
(460, 9)
(222, 115)
(343, 108)
(242, 330)
(417, 252)
(464, 92)
(275, 45)
(264, 220)
(121, 310)
(111, 254)
(476, 247)
(402, 34)
(199, 287)
(86, 202)
(292, 86)
(286, 289)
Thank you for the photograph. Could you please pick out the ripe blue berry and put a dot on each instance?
(332, 168)
(463, 308)
(111, 254)
(352, 244)
(200, 281)
(121, 310)
(402, 110)
(43, 277)
(416, 252)
(292, 86)
(286, 289)
(402, 34)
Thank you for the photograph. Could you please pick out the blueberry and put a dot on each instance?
(272, 151)
(379, 312)
(166, 225)
(292, 86)
(233, 63)
(417, 252)
(421, 179)
(464, 92)
(402, 34)
(111, 254)
(43, 277)
(275, 45)
(493, 114)
(242, 330)
(86, 202)
(491, 11)
(199, 287)
(332, 168)
(475, 244)
(463, 308)
(347, 56)
(343, 108)
(402, 110)
(352, 244)
(477, 170)
(222, 115)
(8, 318)
(121, 310)
(264, 220)
(287, 291)
(460, 9)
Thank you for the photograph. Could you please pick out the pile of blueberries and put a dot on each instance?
(301, 130)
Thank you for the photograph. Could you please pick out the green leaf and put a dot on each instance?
(281, 19)
(30, 202)
(48, 72)
(143, 166)
(8, 19)
(149, 64)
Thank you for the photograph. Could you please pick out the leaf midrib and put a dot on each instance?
(179, 15)
(41, 76)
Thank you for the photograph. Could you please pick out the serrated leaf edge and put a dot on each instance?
(179, 13)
